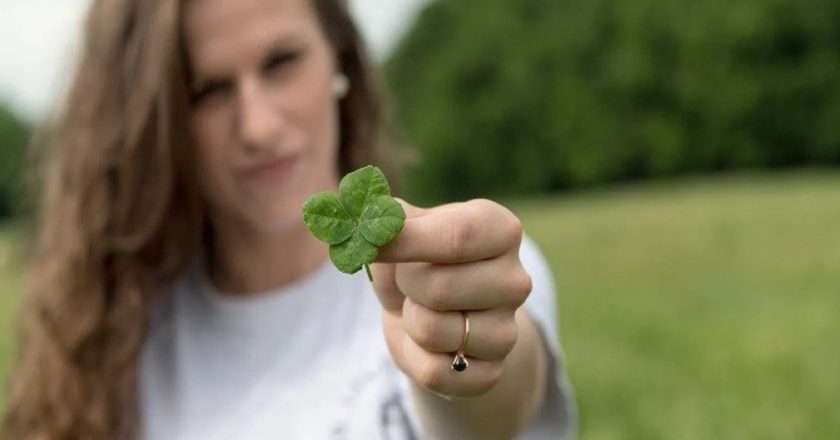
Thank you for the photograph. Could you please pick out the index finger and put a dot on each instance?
(455, 233)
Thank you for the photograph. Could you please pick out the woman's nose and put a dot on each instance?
(259, 123)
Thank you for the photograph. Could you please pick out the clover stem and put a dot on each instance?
(370, 275)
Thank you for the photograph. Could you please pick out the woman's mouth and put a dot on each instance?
(270, 172)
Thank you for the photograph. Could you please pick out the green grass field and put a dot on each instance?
(700, 309)
(10, 286)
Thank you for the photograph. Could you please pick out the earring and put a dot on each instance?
(340, 85)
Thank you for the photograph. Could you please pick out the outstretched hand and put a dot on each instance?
(461, 257)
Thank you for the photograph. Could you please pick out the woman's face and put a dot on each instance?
(264, 115)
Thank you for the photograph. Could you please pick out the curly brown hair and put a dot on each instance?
(121, 217)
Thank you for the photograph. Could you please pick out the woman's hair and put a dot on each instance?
(121, 216)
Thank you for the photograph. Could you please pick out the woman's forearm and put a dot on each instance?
(506, 409)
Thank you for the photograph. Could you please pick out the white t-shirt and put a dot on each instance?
(307, 361)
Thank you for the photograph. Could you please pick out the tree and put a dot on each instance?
(511, 96)
(13, 140)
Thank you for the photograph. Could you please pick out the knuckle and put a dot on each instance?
(440, 286)
(425, 331)
(459, 234)
(514, 227)
(510, 225)
(521, 285)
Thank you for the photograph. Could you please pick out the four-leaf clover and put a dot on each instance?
(356, 222)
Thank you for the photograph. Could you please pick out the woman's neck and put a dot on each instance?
(245, 263)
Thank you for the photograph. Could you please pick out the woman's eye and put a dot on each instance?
(207, 90)
(279, 60)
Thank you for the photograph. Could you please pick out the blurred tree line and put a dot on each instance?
(512, 96)
(13, 139)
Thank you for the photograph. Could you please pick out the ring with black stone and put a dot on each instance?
(460, 363)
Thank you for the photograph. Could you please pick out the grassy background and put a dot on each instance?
(10, 287)
(700, 310)
(689, 309)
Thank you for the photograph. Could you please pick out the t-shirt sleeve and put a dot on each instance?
(557, 417)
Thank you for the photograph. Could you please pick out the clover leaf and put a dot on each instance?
(356, 222)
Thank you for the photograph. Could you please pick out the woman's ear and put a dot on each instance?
(340, 85)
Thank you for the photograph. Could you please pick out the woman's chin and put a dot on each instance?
(280, 218)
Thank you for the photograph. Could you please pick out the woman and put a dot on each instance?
(177, 294)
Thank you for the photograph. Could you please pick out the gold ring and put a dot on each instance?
(460, 363)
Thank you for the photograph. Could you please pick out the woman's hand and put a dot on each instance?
(454, 258)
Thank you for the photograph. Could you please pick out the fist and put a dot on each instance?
(449, 262)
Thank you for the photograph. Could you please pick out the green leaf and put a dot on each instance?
(360, 187)
(355, 223)
(349, 256)
(382, 220)
(327, 219)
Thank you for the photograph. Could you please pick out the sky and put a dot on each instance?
(39, 40)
